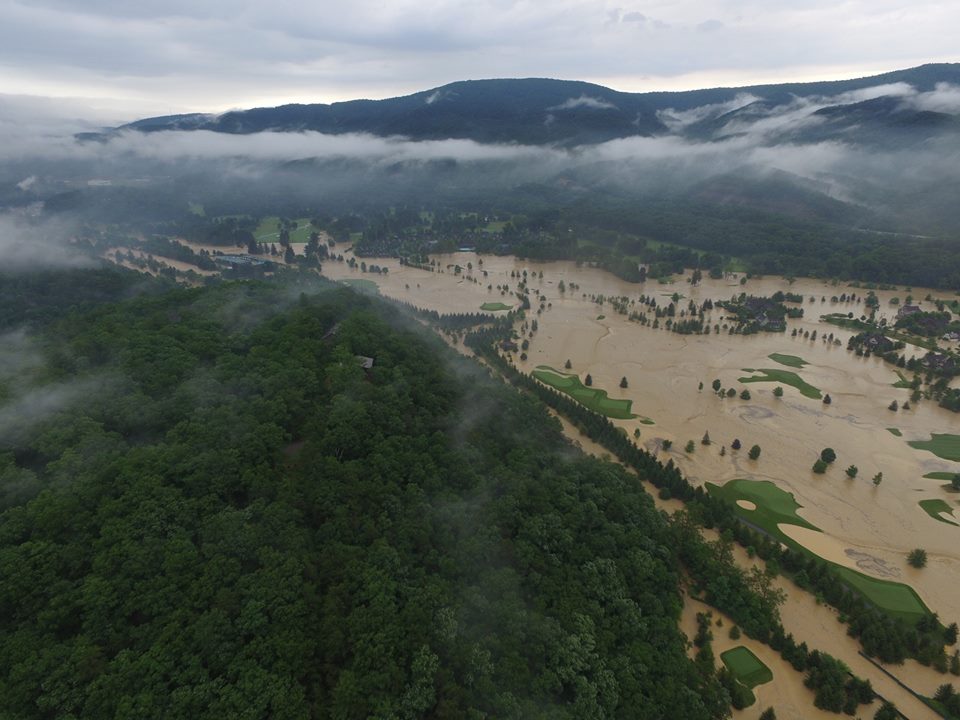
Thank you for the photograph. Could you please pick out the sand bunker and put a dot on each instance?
(829, 548)
(747, 505)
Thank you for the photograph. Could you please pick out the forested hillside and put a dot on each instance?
(212, 510)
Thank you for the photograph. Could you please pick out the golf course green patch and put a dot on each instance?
(895, 431)
(942, 445)
(746, 666)
(268, 231)
(902, 382)
(784, 377)
(495, 306)
(940, 475)
(895, 599)
(788, 360)
(773, 505)
(934, 507)
(590, 397)
(362, 285)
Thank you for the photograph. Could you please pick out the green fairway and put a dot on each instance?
(495, 306)
(939, 475)
(268, 231)
(774, 506)
(896, 599)
(942, 445)
(361, 285)
(784, 377)
(895, 431)
(788, 360)
(934, 507)
(902, 382)
(591, 398)
(746, 666)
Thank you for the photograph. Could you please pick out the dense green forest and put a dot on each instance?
(210, 509)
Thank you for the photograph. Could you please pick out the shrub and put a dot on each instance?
(917, 558)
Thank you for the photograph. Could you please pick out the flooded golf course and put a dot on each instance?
(856, 522)
(664, 371)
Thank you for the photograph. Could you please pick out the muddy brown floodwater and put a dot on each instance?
(871, 528)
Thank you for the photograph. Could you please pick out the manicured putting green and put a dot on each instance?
(590, 397)
(784, 377)
(895, 431)
(364, 286)
(939, 475)
(896, 599)
(934, 507)
(495, 306)
(788, 360)
(943, 445)
(774, 506)
(746, 666)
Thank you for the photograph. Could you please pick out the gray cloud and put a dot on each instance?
(27, 243)
(211, 54)
(584, 101)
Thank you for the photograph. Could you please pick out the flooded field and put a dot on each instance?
(867, 527)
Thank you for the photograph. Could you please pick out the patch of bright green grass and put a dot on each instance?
(939, 475)
(590, 397)
(895, 431)
(746, 666)
(495, 306)
(268, 231)
(902, 383)
(364, 286)
(896, 599)
(776, 506)
(942, 445)
(784, 377)
(934, 507)
(788, 360)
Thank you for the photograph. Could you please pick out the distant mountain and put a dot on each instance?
(571, 113)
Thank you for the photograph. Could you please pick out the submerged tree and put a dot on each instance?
(917, 558)
(754, 452)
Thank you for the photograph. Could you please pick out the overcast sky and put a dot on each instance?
(129, 58)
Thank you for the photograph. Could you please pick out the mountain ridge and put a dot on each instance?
(547, 111)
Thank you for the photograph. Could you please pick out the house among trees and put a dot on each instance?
(907, 311)
(877, 343)
(940, 363)
(365, 362)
